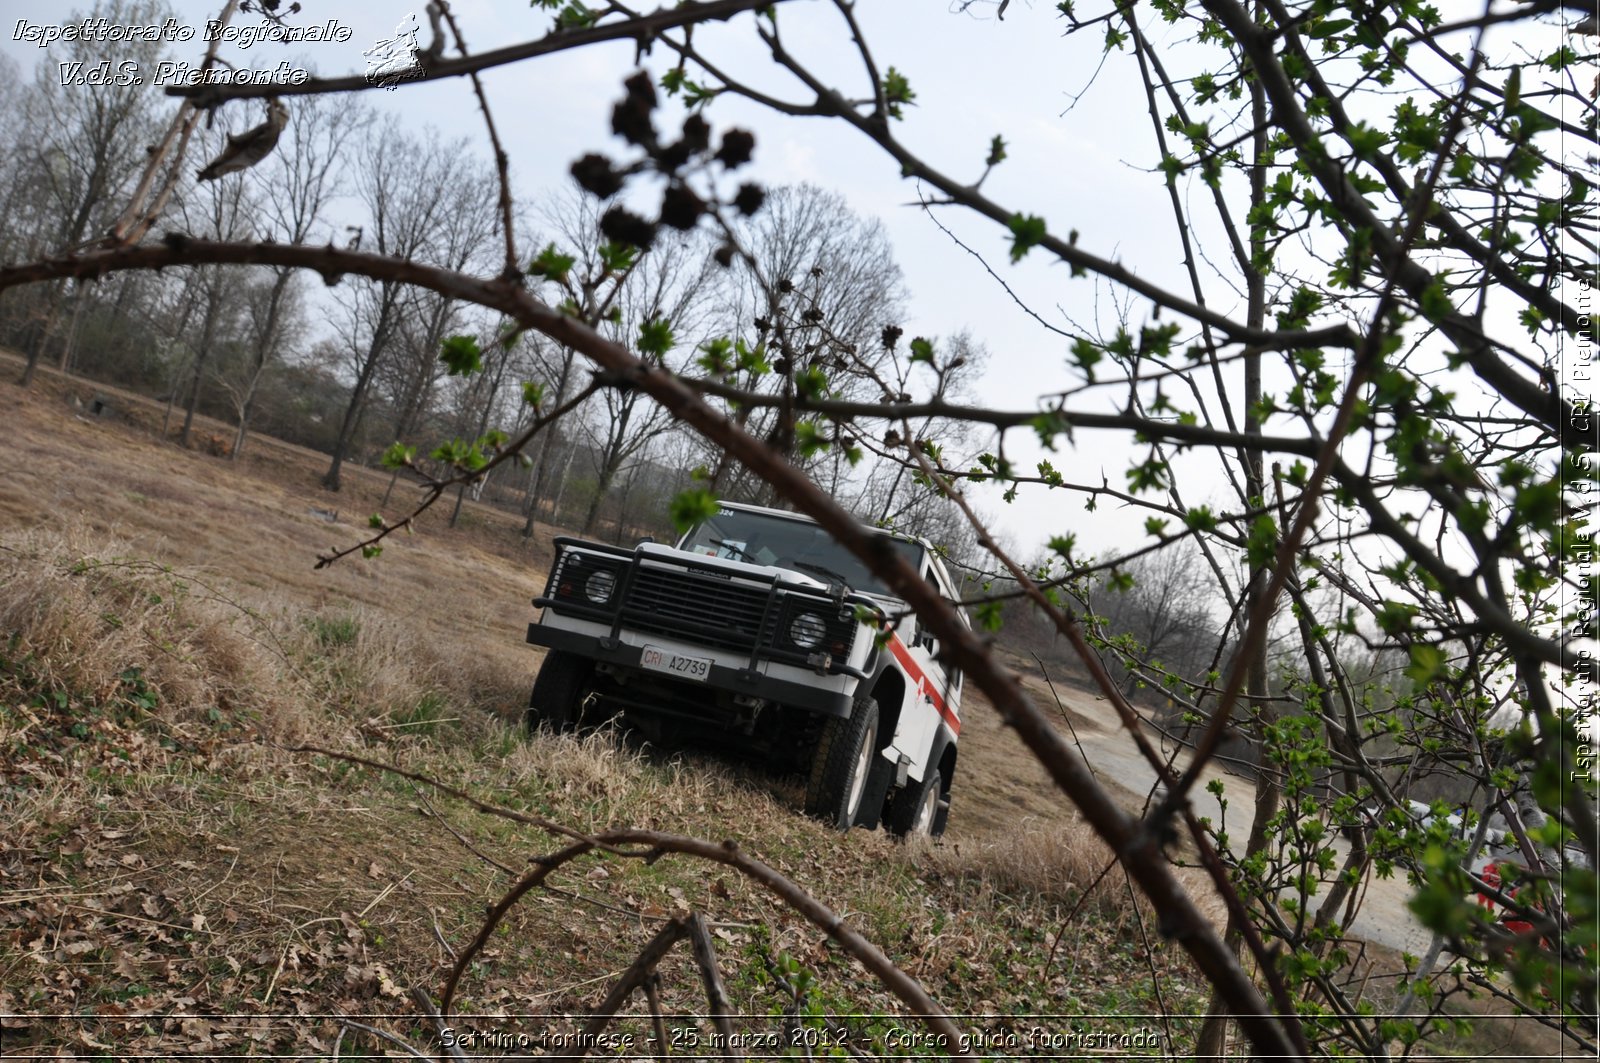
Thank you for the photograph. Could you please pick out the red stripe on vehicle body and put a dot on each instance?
(924, 682)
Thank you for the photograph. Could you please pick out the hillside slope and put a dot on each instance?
(181, 879)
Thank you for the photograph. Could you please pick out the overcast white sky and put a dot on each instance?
(1073, 161)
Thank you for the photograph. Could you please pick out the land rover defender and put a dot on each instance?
(758, 630)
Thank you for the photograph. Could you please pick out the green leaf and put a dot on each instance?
(575, 16)
(714, 357)
(1200, 519)
(997, 151)
(618, 258)
(897, 92)
(552, 264)
(1148, 475)
(655, 337)
(375, 521)
(461, 355)
(371, 551)
(752, 360)
(533, 393)
(810, 383)
(1435, 304)
(1262, 545)
(1048, 426)
(809, 439)
(922, 350)
(1027, 232)
(399, 456)
(691, 507)
(1086, 354)
(1427, 664)
(1365, 141)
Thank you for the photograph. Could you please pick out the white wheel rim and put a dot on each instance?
(925, 811)
(858, 781)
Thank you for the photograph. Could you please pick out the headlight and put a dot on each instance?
(806, 630)
(598, 587)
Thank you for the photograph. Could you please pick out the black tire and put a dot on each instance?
(914, 811)
(842, 762)
(558, 692)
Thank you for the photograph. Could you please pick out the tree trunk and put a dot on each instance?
(264, 344)
(68, 348)
(46, 331)
(243, 427)
(352, 412)
(1212, 1039)
(483, 426)
(542, 470)
(202, 355)
(566, 473)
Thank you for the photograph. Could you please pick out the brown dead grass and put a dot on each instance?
(175, 856)
(171, 858)
(1067, 863)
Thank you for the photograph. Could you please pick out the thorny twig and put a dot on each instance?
(705, 957)
(643, 28)
(425, 1002)
(512, 271)
(435, 488)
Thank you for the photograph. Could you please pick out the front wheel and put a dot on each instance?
(559, 692)
(914, 812)
(841, 766)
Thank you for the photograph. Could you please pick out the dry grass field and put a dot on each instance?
(176, 879)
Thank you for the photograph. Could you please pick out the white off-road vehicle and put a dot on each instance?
(759, 630)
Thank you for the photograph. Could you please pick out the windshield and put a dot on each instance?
(765, 540)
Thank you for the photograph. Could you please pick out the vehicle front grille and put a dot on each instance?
(696, 608)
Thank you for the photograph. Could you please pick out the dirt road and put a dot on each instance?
(1009, 787)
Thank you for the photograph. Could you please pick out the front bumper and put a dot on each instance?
(745, 681)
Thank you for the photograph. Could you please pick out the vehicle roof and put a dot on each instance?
(750, 507)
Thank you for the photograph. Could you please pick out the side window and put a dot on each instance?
(924, 636)
(952, 673)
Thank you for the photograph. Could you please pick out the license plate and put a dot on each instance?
(657, 660)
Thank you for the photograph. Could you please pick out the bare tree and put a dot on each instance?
(813, 292)
(84, 143)
(294, 192)
(408, 187)
(220, 210)
(668, 290)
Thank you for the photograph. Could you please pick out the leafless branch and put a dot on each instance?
(641, 29)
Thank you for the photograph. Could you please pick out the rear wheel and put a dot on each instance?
(914, 813)
(842, 763)
(559, 691)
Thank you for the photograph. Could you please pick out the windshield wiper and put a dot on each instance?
(821, 570)
(736, 548)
